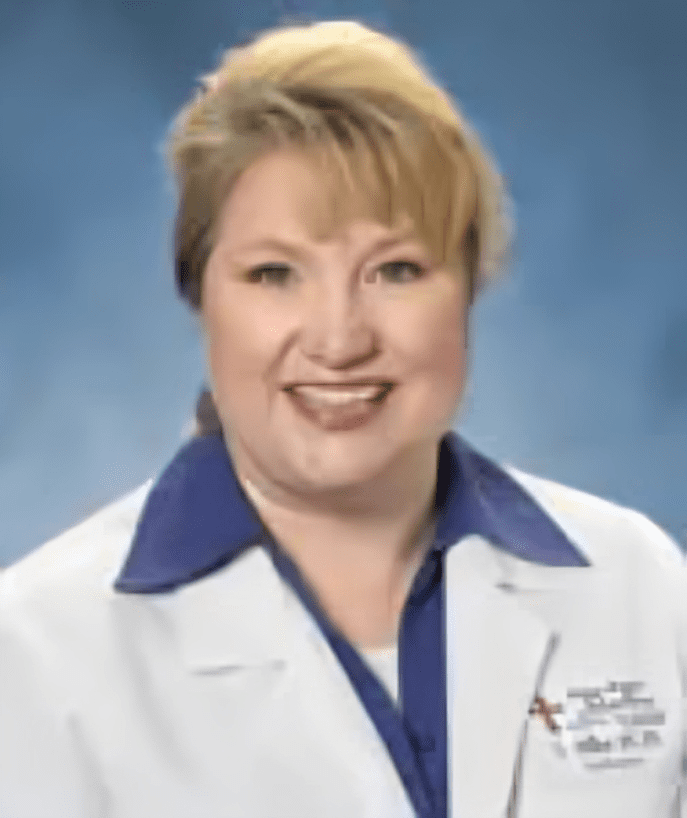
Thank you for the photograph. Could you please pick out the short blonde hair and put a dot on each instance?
(363, 104)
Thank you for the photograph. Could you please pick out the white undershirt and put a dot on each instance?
(384, 662)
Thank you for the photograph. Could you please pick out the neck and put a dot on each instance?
(368, 540)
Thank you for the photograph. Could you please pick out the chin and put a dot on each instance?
(339, 464)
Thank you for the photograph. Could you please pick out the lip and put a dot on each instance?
(345, 418)
(357, 382)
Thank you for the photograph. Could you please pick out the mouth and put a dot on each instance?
(340, 394)
(339, 407)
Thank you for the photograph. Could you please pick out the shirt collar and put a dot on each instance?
(197, 517)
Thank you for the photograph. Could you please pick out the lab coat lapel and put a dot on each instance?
(497, 656)
(232, 619)
(245, 619)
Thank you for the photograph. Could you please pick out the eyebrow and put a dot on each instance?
(295, 251)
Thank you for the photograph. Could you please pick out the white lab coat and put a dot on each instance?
(224, 700)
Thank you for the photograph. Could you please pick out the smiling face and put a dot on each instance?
(281, 307)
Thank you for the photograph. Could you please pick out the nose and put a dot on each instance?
(337, 330)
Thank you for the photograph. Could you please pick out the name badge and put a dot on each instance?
(615, 726)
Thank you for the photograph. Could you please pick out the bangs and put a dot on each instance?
(386, 179)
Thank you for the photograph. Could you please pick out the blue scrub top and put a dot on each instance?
(197, 519)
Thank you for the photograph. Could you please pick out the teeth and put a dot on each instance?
(338, 397)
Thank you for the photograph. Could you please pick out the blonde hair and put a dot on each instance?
(362, 104)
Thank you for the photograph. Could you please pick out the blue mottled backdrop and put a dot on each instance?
(580, 357)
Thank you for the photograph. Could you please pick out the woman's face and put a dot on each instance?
(284, 312)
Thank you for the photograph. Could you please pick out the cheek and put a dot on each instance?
(238, 356)
(244, 348)
(232, 342)
(433, 336)
(231, 330)
(432, 343)
(446, 358)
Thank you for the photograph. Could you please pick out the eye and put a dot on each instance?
(273, 274)
(402, 271)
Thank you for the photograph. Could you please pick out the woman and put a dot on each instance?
(334, 606)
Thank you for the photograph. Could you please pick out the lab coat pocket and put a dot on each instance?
(621, 765)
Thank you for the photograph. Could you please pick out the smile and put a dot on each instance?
(341, 407)
(319, 396)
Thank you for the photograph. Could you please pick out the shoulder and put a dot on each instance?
(80, 564)
(605, 530)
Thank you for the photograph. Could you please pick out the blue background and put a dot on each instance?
(579, 357)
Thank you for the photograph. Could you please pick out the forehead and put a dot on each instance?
(304, 194)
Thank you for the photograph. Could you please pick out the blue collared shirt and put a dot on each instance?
(197, 519)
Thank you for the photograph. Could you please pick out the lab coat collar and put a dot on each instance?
(234, 624)
(197, 517)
